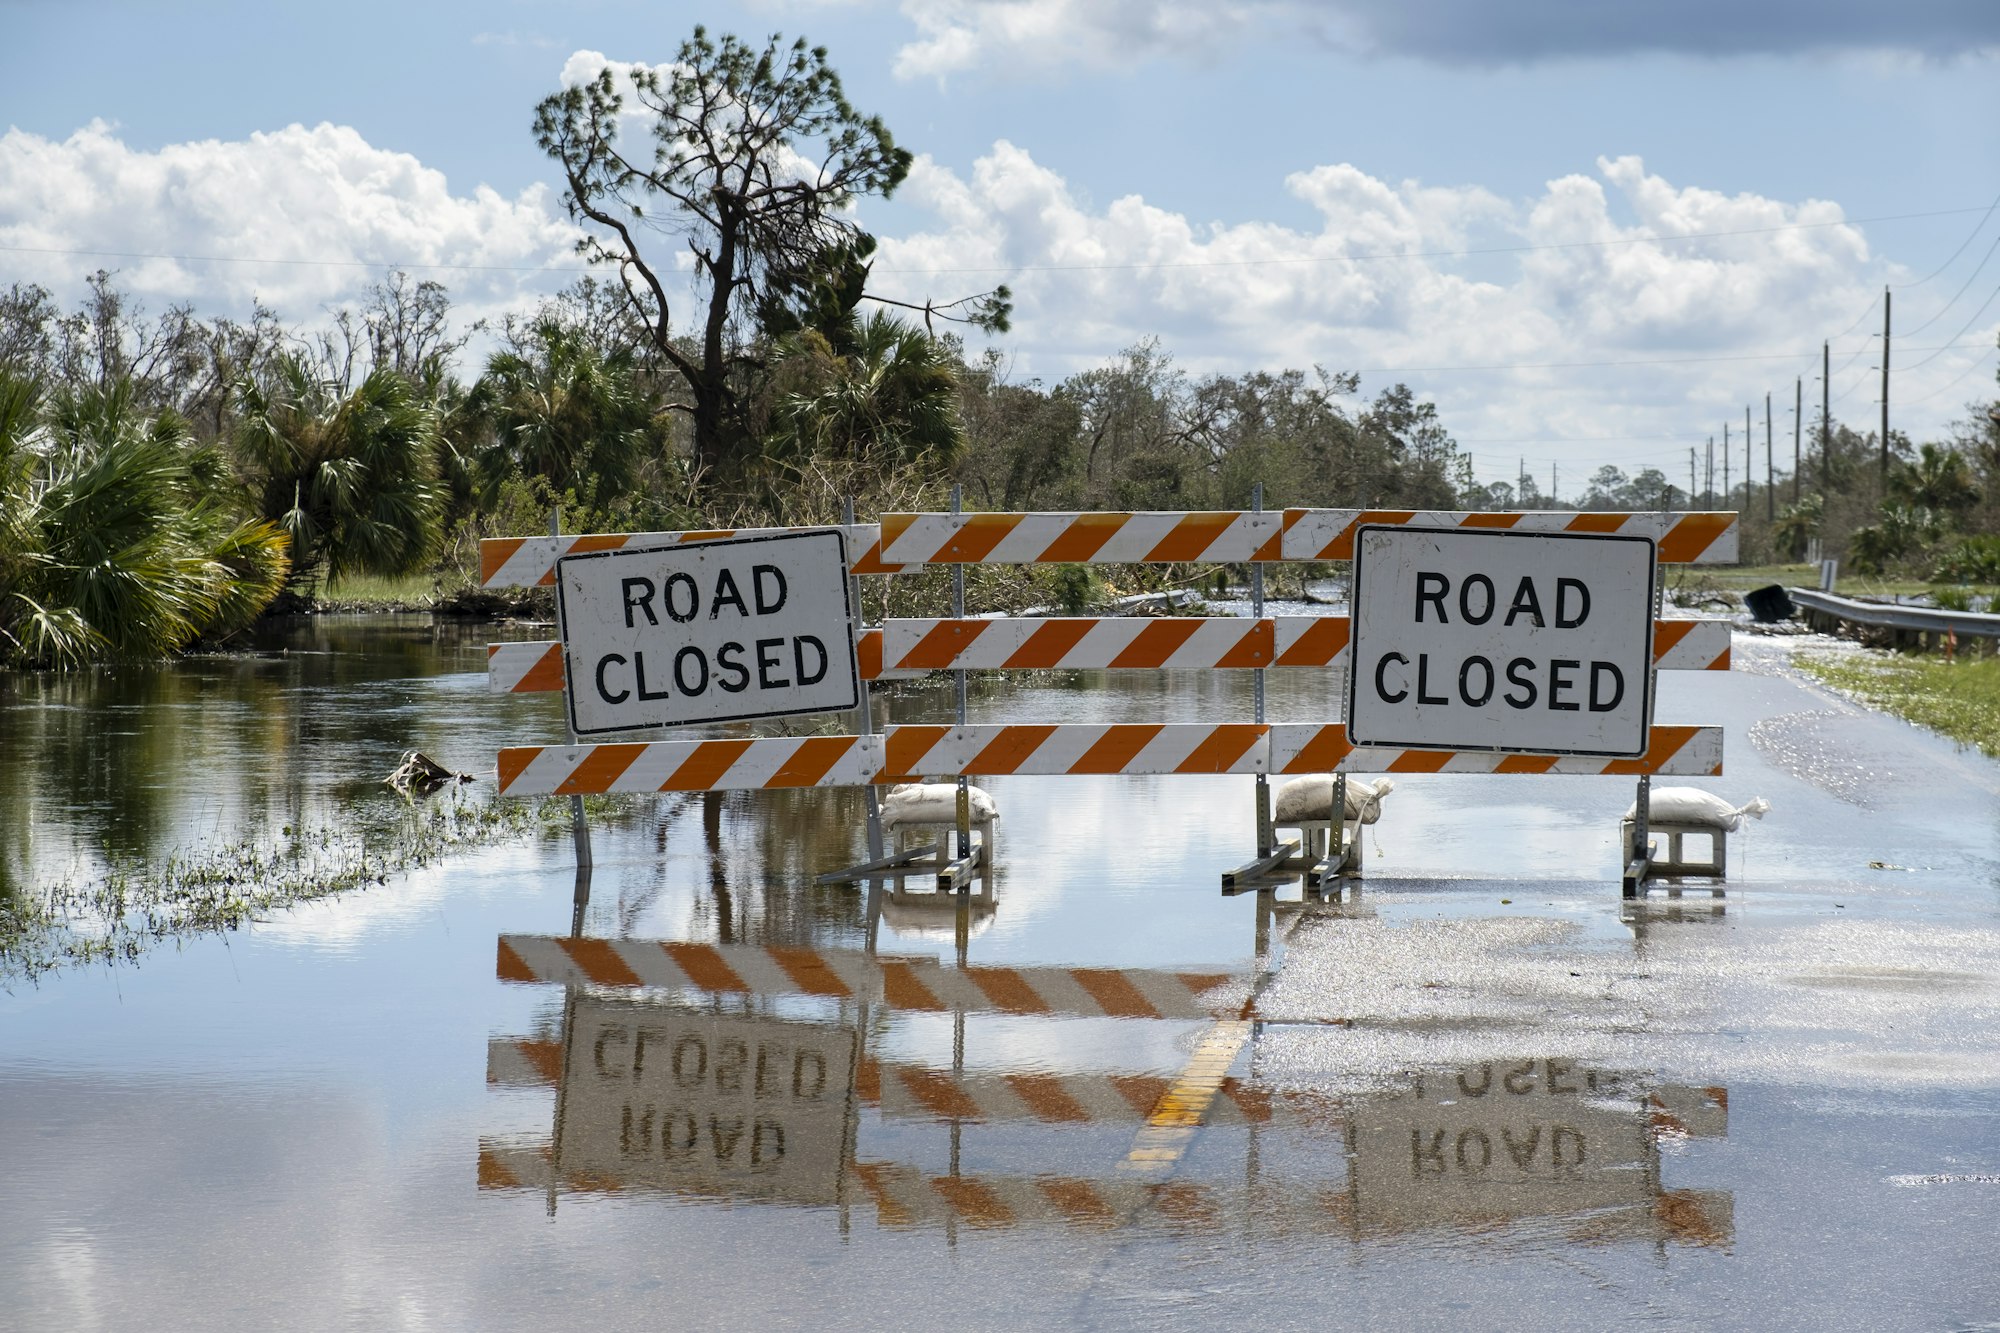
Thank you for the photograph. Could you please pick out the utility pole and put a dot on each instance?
(1799, 427)
(1825, 416)
(1555, 480)
(1725, 465)
(1885, 391)
(1749, 477)
(1521, 483)
(1692, 502)
(1708, 489)
(1770, 468)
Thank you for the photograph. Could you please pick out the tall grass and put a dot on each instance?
(1959, 699)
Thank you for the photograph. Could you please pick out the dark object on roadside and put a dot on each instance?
(420, 775)
(1769, 605)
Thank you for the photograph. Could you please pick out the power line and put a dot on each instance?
(1588, 365)
(1858, 318)
(1977, 363)
(1977, 227)
(1675, 237)
(1961, 290)
(1935, 353)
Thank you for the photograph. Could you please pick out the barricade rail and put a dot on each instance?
(902, 649)
(910, 753)
(903, 541)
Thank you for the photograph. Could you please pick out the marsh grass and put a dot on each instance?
(1959, 699)
(223, 885)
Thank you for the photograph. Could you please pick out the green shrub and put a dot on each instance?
(1969, 560)
(1077, 588)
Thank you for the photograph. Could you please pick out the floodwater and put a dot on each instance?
(1477, 1089)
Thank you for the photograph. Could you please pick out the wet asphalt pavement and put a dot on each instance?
(1475, 1090)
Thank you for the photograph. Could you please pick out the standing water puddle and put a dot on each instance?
(1092, 1092)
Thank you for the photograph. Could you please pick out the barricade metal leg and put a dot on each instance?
(864, 712)
(579, 827)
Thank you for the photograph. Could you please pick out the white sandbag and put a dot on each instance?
(933, 803)
(1692, 805)
(1311, 797)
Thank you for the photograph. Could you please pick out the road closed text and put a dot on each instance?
(1492, 640)
(1559, 684)
(779, 661)
(710, 631)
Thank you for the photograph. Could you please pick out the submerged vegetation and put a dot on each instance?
(1958, 698)
(117, 915)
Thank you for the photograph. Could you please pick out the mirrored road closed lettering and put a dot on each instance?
(679, 1100)
(716, 631)
(1523, 642)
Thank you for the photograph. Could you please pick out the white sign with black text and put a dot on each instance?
(1481, 639)
(715, 631)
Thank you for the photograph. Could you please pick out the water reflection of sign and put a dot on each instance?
(1510, 641)
(1498, 1141)
(708, 632)
(680, 1100)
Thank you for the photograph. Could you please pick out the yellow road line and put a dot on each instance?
(1175, 1119)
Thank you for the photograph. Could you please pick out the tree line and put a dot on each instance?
(167, 479)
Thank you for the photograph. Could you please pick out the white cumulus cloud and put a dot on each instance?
(1433, 285)
(301, 218)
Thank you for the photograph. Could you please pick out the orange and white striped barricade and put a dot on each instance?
(1677, 751)
(1683, 539)
(530, 562)
(907, 648)
(902, 647)
(1234, 537)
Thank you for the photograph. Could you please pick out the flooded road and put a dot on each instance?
(1096, 1093)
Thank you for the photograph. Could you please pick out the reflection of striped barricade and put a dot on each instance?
(918, 984)
(906, 1197)
(919, 1092)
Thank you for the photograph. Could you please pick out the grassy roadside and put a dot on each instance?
(1743, 578)
(368, 592)
(1958, 699)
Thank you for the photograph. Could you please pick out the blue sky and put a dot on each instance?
(1207, 173)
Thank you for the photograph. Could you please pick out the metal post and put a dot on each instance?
(958, 677)
(1264, 833)
(864, 713)
(579, 829)
(1642, 812)
(1885, 392)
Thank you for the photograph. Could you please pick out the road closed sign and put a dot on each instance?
(1469, 639)
(715, 631)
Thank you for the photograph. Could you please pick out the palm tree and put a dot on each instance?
(563, 410)
(891, 400)
(350, 477)
(1938, 479)
(114, 539)
(1798, 524)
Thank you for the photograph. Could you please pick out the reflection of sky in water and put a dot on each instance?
(283, 1127)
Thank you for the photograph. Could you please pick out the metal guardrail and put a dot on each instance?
(1881, 615)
